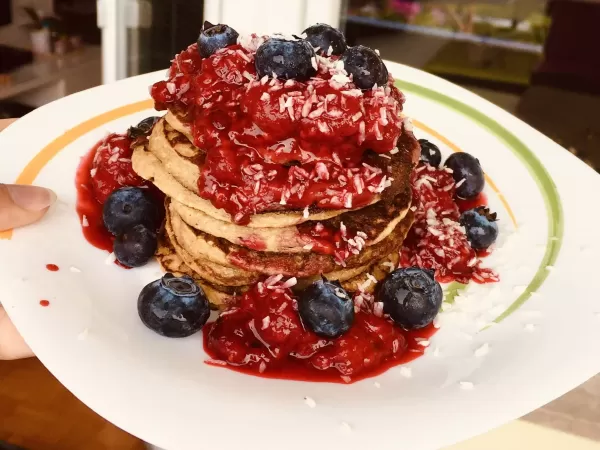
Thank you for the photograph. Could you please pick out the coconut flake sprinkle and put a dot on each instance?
(310, 402)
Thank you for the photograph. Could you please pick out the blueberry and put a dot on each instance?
(143, 128)
(173, 307)
(213, 37)
(324, 36)
(466, 167)
(366, 67)
(430, 153)
(411, 297)
(326, 309)
(130, 206)
(136, 246)
(481, 227)
(286, 58)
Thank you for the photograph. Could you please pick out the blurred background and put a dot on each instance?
(535, 58)
(538, 59)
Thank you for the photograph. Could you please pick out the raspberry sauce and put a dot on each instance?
(332, 241)
(437, 240)
(464, 204)
(104, 169)
(264, 336)
(274, 144)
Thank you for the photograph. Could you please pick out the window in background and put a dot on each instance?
(175, 25)
(79, 18)
(535, 58)
(490, 44)
(149, 33)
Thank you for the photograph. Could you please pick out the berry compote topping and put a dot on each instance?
(264, 335)
(274, 144)
(112, 168)
(106, 168)
(328, 240)
(437, 240)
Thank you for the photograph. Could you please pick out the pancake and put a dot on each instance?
(169, 260)
(219, 296)
(376, 221)
(149, 167)
(399, 167)
(217, 272)
(172, 258)
(172, 262)
(285, 240)
(183, 161)
(310, 264)
(378, 271)
(167, 145)
(171, 148)
(202, 241)
(203, 246)
(223, 297)
(178, 124)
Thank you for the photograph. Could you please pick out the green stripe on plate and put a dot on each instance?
(536, 169)
(452, 291)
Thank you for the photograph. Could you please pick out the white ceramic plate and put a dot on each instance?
(545, 310)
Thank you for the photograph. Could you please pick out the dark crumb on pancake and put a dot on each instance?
(399, 166)
(371, 220)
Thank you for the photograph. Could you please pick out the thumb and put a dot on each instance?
(21, 205)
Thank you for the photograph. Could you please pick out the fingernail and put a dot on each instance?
(31, 198)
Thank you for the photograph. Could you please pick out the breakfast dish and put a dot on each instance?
(285, 188)
(497, 342)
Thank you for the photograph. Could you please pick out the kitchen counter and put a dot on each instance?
(63, 75)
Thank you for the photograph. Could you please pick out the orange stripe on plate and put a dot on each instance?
(39, 161)
(455, 148)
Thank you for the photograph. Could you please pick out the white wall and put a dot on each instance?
(272, 16)
(14, 34)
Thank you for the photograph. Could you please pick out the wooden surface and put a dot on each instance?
(38, 413)
(521, 435)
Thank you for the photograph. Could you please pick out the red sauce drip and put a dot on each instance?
(122, 266)
(112, 167)
(483, 253)
(465, 205)
(437, 240)
(254, 243)
(104, 169)
(264, 337)
(328, 240)
(276, 144)
(88, 206)
(44, 303)
(52, 267)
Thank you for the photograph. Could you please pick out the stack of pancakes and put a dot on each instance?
(203, 241)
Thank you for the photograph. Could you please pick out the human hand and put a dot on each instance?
(19, 206)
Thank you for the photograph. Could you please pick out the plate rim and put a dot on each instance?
(497, 115)
(539, 173)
